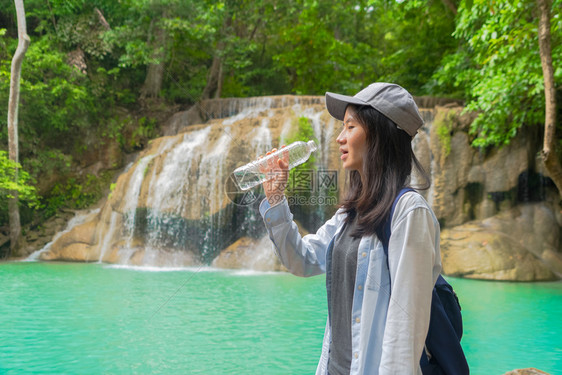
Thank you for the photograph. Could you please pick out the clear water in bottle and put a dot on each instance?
(250, 175)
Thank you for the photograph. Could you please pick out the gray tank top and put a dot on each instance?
(344, 268)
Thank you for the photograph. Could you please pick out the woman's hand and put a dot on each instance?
(277, 172)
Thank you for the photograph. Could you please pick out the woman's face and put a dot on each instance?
(353, 142)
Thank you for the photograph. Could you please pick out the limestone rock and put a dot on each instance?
(75, 252)
(248, 253)
(469, 183)
(83, 233)
(554, 261)
(480, 254)
(452, 162)
(75, 244)
(504, 247)
(503, 166)
(533, 225)
(526, 371)
(182, 119)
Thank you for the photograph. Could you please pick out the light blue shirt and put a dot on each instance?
(389, 320)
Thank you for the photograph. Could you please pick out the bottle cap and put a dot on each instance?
(312, 145)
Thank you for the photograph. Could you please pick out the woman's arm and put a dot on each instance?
(303, 256)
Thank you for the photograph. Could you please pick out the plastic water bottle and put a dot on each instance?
(250, 175)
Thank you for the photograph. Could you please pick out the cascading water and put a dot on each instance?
(131, 202)
(105, 240)
(212, 173)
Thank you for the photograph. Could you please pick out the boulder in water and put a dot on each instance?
(516, 245)
(526, 371)
(74, 245)
(249, 253)
(75, 252)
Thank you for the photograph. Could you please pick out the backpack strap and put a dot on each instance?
(384, 235)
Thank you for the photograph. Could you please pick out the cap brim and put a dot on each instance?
(337, 103)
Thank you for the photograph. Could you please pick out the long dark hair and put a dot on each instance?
(387, 165)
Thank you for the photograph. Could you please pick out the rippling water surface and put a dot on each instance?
(98, 319)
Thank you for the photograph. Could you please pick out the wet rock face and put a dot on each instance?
(474, 184)
(486, 202)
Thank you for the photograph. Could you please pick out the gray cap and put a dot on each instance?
(391, 100)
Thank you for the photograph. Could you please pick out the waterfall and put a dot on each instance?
(105, 238)
(171, 192)
(131, 202)
(261, 140)
(212, 173)
(324, 133)
(244, 109)
(172, 206)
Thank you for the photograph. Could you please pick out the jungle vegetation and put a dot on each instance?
(100, 76)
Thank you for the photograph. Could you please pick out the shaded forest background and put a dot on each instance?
(100, 77)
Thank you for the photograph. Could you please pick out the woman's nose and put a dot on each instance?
(341, 137)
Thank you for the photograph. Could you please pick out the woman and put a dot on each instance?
(378, 306)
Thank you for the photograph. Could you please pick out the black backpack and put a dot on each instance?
(443, 354)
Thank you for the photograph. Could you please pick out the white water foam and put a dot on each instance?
(248, 109)
(192, 269)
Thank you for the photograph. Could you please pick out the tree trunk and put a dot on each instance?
(549, 154)
(213, 79)
(155, 74)
(23, 43)
(449, 4)
(219, 83)
(215, 76)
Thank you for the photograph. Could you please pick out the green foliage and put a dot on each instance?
(57, 106)
(299, 177)
(76, 193)
(497, 66)
(146, 129)
(414, 36)
(315, 59)
(131, 134)
(111, 189)
(88, 59)
(53, 93)
(83, 31)
(48, 162)
(9, 184)
(27, 195)
(444, 128)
